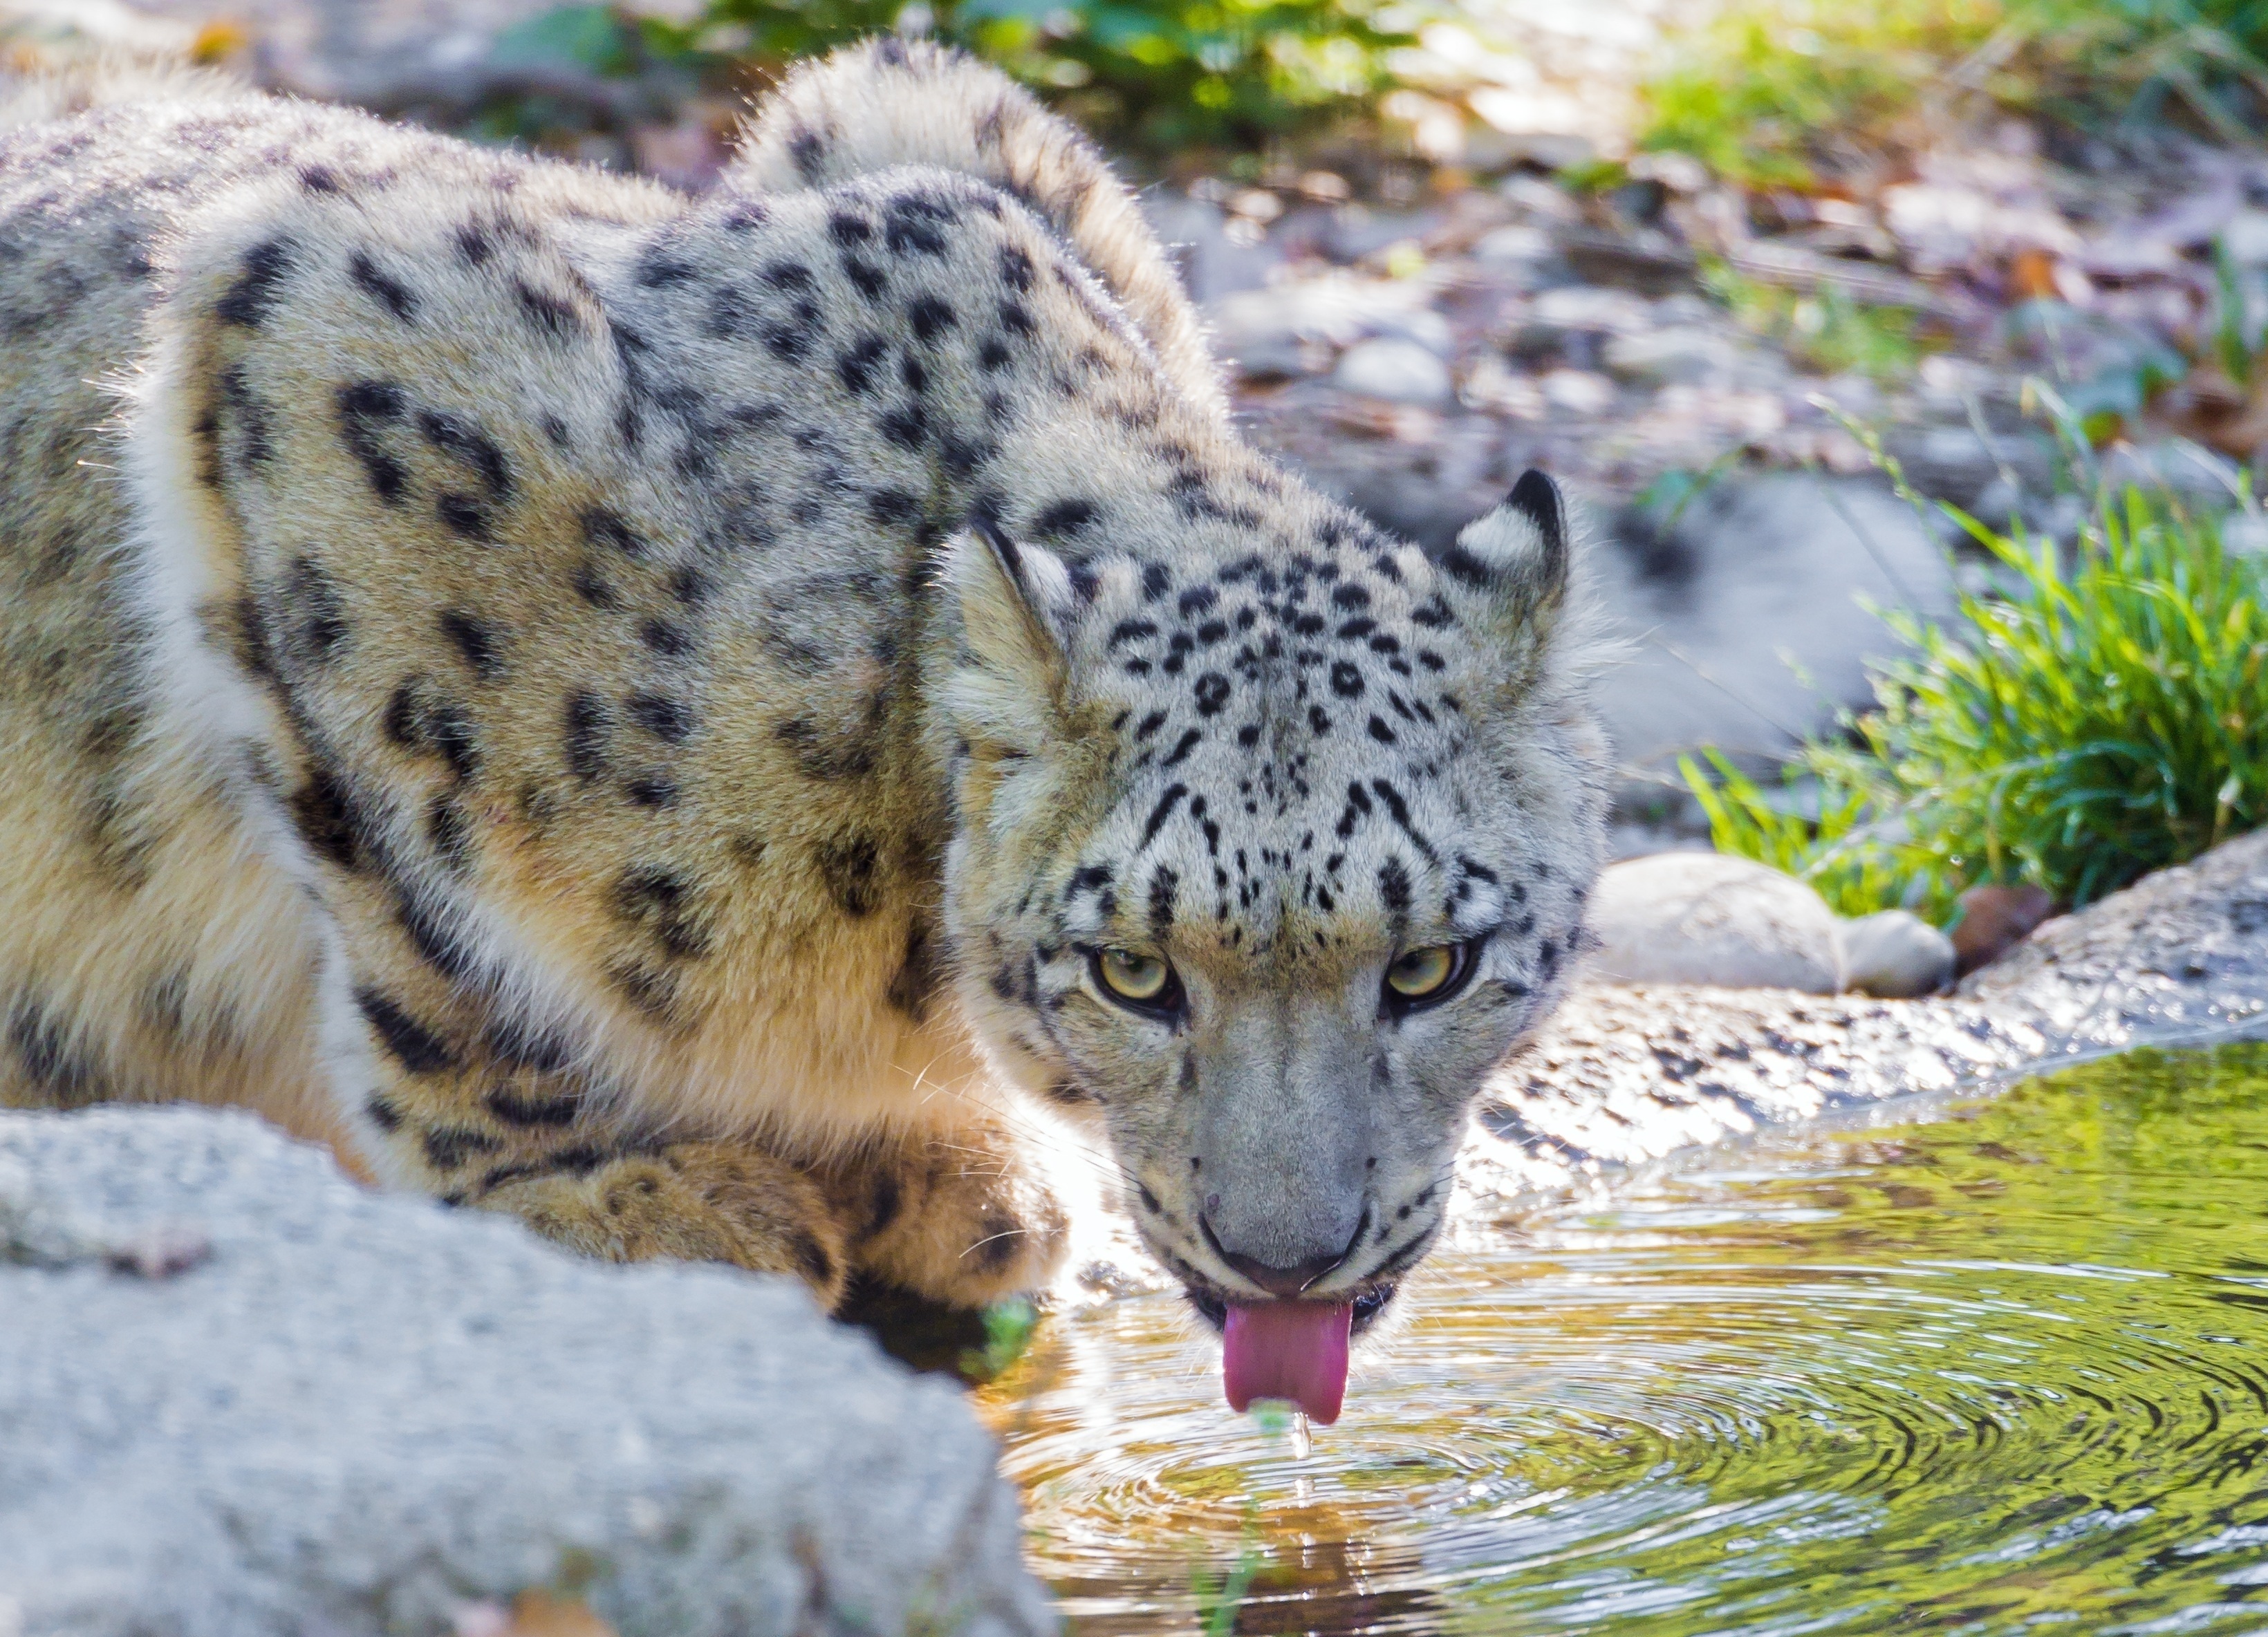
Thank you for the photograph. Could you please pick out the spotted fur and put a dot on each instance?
(636, 711)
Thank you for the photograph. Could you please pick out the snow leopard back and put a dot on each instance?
(891, 102)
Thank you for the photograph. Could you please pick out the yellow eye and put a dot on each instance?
(1139, 978)
(1427, 972)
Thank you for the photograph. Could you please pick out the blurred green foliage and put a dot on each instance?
(1161, 75)
(1769, 94)
(556, 55)
(1773, 91)
(2097, 720)
(1824, 328)
(595, 38)
(1754, 94)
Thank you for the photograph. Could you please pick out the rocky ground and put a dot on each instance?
(1705, 369)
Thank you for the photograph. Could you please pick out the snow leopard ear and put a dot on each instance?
(1516, 556)
(1017, 598)
(1018, 608)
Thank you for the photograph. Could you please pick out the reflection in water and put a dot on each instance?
(2005, 1371)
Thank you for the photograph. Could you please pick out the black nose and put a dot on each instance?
(1286, 1281)
(1283, 1282)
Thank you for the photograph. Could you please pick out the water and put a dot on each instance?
(2007, 1371)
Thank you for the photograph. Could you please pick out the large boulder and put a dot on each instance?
(239, 1396)
(1712, 918)
(1753, 615)
(1709, 918)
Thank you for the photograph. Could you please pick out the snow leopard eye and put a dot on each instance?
(1423, 976)
(1142, 981)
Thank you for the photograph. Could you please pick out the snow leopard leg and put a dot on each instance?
(962, 1214)
(469, 1101)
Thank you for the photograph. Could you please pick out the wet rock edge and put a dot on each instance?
(1624, 1075)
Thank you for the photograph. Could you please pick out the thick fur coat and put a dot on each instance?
(645, 712)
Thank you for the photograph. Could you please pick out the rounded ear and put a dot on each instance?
(1041, 581)
(1017, 603)
(1517, 553)
(1010, 684)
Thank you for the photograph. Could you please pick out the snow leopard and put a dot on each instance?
(698, 721)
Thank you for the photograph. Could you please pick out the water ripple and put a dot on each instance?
(1998, 1372)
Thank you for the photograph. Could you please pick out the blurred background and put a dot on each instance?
(1733, 269)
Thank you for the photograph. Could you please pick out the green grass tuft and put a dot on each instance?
(2101, 720)
(1832, 845)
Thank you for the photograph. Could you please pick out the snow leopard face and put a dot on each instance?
(1267, 859)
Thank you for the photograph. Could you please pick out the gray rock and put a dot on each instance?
(1515, 245)
(1359, 230)
(1592, 307)
(1522, 257)
(1746, 617)
(1296, 329)
(2246, 237)
(1425, 482)
(36, 1230)
(1956, 463)
(1710, 918)
(2245, 534)
(1623, 1076)
(1574, 324)
(101, 24)
(1896, 956)
(355, 1414)
(1683, 353)
(1401, 371)
(1271, 352)
(2180, 466)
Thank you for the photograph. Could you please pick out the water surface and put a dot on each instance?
(2006, 1371)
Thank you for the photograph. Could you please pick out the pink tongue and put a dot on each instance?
(1295, 1350)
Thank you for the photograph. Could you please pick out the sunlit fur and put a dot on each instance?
(498, 673)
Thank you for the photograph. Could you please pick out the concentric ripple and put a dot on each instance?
(2002, 1371)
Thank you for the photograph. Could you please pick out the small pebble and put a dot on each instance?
(1398, 371)
(1896, 956)
(1996, 918)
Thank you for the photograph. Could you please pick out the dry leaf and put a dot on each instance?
(532, 1614)
(2032, 274)
(540, 1614)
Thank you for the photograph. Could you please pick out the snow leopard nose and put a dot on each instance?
(1281, 1280)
